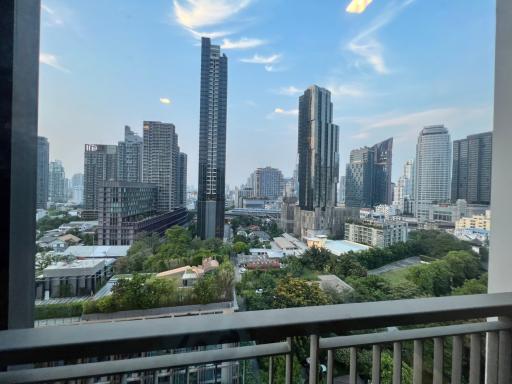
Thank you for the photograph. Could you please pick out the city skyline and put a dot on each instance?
(88, 97)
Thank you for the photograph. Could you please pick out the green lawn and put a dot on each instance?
(397, 276)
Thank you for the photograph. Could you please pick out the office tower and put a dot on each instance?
(57, 182)
(160, 161)
(100, 164)
(181, 182)
(368, 176)
(77, 187)
(403, 188)
(267, 183)
(318, 150)
(212, 141)
(431, 169)
(130, 157)
(471, 172)
(342, 190)
(122, 202)
(359, 178)
(382, 189)
(43, 161)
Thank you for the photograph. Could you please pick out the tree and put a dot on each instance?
(463, 265)
(138, 254)
(369, 288)
(240, 247)
(293, 292)
(434, 279)
(316, 258)
(472, 287)
(205, 289)
(225, 276)
(344, 266)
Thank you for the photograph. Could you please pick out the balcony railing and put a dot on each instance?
(272, 333)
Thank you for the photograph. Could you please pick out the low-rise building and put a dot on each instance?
(96, 251)
(376, 233)
(188, 275)
(336, 247)
(74, 278)
(475, 222)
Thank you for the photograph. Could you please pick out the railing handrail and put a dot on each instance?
(84, 340)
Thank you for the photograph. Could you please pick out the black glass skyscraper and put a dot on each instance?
(212, 141)
(368, 176)
(318, 150)
(471, 172)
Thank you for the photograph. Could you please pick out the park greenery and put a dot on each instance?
(50, 222)
(151, 254)
(450, 268)
(144, 291)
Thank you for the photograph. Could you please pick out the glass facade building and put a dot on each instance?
(318, 149)
(471, 169)
(212, 141)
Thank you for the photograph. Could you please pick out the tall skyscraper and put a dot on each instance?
(160, 162)
(100, 164)
(359, 178)
(382, 190)
(181, 182)
(431, 169)
(368, 176)
(57, 182)
(43, 161)
(77, 187)
(471, 172)
(403, 188)
(318, 150)
(267, 183)
(130, 157)
(212, 141)
(342, 190)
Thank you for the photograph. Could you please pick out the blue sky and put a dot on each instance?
(398, 66)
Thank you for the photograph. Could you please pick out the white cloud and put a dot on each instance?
(257, 59)
(361, 136)
(52, 61)
(50, 17)
(47, 9)
(211, 35)
(242, 43)
(367, 46)
(289, 91)
(405, 127)
(273, 68)
(345, 90)
(202, 13)
(286, 112)
(165, 100)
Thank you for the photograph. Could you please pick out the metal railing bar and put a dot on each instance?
(438, 360)
(457, 346)
(491, 362)
(397, 362)
(505, 357)
(411, 334)
(474, 359)
(106, 368)
(60, 342)
(417, 374)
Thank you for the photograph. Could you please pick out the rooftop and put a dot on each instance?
(93, 251)
(340, 247)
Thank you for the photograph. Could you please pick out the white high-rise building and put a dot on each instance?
(431, 169)
(403, 187)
